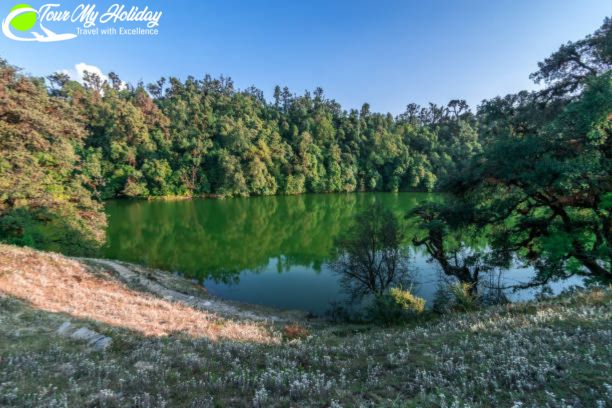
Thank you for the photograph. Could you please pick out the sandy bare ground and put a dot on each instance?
(129, 273)
(55, 283)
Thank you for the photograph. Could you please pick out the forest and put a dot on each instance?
(531, 168)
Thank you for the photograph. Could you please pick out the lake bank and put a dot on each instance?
(534, 353)
(214, 196)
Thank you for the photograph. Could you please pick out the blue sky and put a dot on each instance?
(387, 52)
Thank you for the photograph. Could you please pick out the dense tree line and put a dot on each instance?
(204, 137)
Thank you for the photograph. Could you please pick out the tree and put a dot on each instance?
(43, 199)
(570, 68)
(370, 256)
(295, 144)
(451, 236)
(543, 180)
(548, 192)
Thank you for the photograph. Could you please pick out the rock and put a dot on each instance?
(63, 329)
(85, 334)
(94, 339)
(101, 343)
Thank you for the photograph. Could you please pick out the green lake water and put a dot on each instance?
(266, 250)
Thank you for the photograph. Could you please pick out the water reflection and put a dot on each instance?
(268, 250)
(218, 239)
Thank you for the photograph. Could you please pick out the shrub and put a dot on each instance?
(383, 309)
(341, 312)
(395, 306)
(294, 331)
(407, 301)
(463, 298)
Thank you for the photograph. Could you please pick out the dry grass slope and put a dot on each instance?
(54, 283)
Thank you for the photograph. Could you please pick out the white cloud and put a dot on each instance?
(78, 72)
(82, 67)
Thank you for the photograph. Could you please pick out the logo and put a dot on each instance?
(25, 23)
(24, 17)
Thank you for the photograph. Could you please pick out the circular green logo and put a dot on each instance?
(25, 21)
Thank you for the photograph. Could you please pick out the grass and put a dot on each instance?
(553, 353)
(53, 283)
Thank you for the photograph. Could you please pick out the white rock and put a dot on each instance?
(101, 343)
(85, 334)
(63, 329)
(94, 339)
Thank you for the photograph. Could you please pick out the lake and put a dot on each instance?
(272, 251)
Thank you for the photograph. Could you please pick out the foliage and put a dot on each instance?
(449, 233)
(567, 70)
(394, 306)
(546, 185)
(443, 299)
(458, 297)
(464, 298)
(540, 186)
(407, 301)
(44, 201)
(384, 310)
(203, 136)
(295, 331)
(546, 189)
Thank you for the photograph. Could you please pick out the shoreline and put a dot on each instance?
(225, 197)
(73, 334)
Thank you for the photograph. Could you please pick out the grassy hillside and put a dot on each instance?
(165, 352)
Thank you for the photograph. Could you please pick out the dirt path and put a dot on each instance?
(220, 307)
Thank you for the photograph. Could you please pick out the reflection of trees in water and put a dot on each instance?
(220, 238)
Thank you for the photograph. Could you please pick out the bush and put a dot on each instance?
(455, 297)
(295, 331)
(463, 298)
(407, 301)
(341, 312)
(395, 306)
